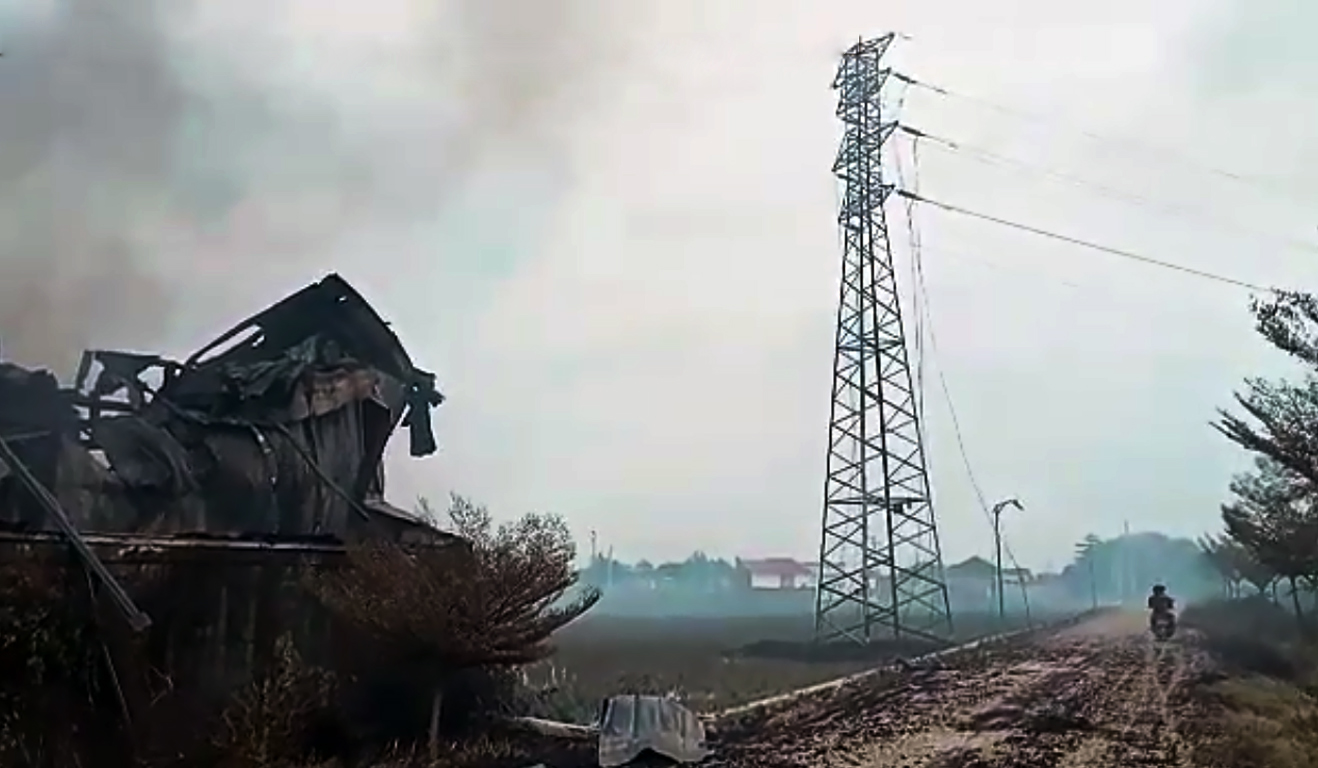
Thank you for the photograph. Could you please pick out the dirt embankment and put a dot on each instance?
(1098, 694)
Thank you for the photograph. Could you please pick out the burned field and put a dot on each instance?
(709, 663)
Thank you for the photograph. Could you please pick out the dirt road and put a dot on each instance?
(1098, 694)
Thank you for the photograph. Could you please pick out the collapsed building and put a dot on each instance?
(260, 453)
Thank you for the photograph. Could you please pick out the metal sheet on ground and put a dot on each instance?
(630, 725)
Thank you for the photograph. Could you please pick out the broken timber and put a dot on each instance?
(138, 620)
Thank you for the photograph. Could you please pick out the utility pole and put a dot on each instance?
(1093, 585)
(997, 545)
(1125, 562)
(880, 565)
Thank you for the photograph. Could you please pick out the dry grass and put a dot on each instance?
(1261, 723)
(494, 751)
(268, 723)
(604, 656)
(701, 660)
(1266, 708)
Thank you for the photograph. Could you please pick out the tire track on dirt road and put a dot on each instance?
(1137, 722)
(1100, 694)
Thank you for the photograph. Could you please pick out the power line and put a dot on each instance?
(917, 275)
(1273, 186)
(1196, 213)
(1114, 304)
(960, 440)
(1081, 242)
(924, 323)
(1116, 301)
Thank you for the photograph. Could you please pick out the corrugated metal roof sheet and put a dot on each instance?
(632, 724)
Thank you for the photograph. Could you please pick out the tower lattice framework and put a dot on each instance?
(881, 569)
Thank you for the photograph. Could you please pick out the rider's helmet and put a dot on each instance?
(1159, 589)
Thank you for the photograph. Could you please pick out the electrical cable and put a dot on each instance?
(1115, 304)
(925, 323)
(965, 456)
(1089, 244)
(922, 308)
(1272, 186)
(917, 265)
(918, 390)
(913, 243)
(1196, 213)
(919, 314)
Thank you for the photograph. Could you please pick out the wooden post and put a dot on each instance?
(436, 705)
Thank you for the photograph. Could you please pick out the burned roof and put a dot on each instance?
(248, 372)
(276, 427)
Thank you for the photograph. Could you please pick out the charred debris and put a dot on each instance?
(267, 442)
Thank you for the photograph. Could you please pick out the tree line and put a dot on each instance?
(1104, 569)
(1269, 539)
(1123, 568)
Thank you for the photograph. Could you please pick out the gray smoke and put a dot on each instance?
(144, 144)
(89, 112)
(1258, 81)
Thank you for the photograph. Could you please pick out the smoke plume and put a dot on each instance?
(89, 111)
(158, 154)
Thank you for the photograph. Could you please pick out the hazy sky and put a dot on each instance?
(609, 228)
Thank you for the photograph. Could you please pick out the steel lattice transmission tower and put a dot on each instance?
(881, 569)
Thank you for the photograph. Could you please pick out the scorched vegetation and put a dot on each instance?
(427, 644)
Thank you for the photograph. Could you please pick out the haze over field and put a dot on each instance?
(612, 234)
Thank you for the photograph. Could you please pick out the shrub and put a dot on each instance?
(272, 721)
(447, 619)
(429, 642)
(53, 693)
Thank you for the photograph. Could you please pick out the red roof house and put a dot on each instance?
(779, 573)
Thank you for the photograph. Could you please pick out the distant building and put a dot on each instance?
(979, 569)
(972, 581)
(780, 573)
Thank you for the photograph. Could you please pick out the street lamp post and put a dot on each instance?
(997, 544)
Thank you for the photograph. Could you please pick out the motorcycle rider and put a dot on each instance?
(1160, 603)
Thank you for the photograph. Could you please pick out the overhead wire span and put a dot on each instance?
(925, 324)
(1196, 213)
(1265, 184)
(961, 445)
(921, 299)
(913, 241)
(1017, 271)
(1080, 242)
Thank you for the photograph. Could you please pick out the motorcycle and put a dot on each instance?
(1164, 625)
